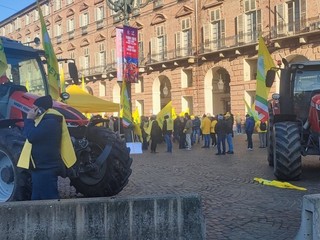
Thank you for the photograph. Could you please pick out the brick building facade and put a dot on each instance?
(202, 55)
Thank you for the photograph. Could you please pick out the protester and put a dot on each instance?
(176, 129)
(221, 131)
(143, 126)
(261, 128)
(167, 132)
(229, 132)
(238, 123)
(182, 135)
(196, 130)
(250, 123)
(205, 128)
(188, 131)
(155, 133)
(46, 131)
(213, 131)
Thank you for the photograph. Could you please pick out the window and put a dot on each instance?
(36, 15)
(139, 86)
(159, 45)
(102, 89)
(57, 5)
(85, 61)
(290, 17)
(84, 22)
(113, 61)
(248, 27)
(17, 24)
(70, 28)
(186, 78)
(58, 32)
(68, 2)
(46, 9)
(140, 46)
(183, 39)
(27, 17)
(99, 16)
(214, 32)
(71, 54)
(100, 58)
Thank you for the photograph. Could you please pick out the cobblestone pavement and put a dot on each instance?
(234, 205)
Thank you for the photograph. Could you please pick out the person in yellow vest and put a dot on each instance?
(261, 128)
(48, 145)
(167, 129)
(213, 132)
(205, 128)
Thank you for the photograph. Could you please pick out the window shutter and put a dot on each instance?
(165, 46)
(97, 59)
(206, 36)
(222, 33)
(239, 24)
(303, 14)
(154, 48)
(280, 18)
(177, 36)
(258, 22)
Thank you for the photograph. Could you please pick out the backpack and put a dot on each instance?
(263, 126)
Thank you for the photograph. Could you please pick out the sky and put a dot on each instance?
(10, 7)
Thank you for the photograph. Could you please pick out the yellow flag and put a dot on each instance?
(136, 116)
(3, 59)
(167, 110)
(62, 80)
(27, 85)
(52, 62)
(174, 114)
(278, 184)
(125, 112)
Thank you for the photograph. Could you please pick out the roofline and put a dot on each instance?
(22, 11)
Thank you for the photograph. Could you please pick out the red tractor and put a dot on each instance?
(294, 118)
(103, 162)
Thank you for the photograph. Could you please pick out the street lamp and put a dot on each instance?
(125, 7)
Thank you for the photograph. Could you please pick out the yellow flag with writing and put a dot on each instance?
(167, 110)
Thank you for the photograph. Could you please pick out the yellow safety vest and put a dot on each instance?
(169, 124)
(67, 152)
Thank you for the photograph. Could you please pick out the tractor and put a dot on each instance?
(294, 117)
(103, 163)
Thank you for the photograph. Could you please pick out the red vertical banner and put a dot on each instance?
(119, 47)
(130, 54)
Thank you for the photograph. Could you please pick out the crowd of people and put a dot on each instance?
(215, 131)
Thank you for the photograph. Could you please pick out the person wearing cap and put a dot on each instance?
(45, 135)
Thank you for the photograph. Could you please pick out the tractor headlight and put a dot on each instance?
(276, 96)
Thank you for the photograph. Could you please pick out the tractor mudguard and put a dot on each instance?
(104, 155)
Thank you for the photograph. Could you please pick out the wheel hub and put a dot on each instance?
(7, 174)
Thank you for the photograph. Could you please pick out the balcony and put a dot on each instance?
(100, 24)
(84, 30)
(71, 35)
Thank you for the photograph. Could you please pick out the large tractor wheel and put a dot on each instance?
(15, 183)
(113, 175)
(286, 151)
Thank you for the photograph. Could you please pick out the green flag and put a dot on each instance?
(3, 60)
(52, 62)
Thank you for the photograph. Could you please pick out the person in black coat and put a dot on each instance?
(46, 141)
(221, 132)
(156, 134)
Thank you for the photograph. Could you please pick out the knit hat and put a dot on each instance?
(44, 102)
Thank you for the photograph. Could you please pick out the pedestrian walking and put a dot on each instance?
(250, 124)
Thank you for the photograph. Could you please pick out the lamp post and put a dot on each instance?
(125, 7)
